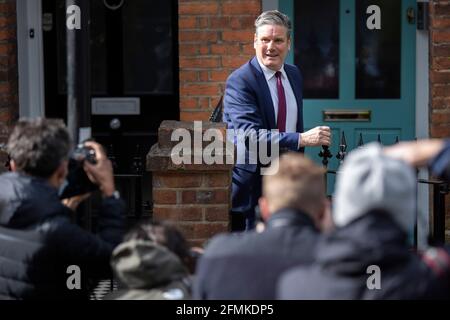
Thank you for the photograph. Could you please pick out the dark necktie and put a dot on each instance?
(281, 123)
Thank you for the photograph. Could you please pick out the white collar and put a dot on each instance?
(269, 73)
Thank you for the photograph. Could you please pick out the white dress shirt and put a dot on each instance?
(291, 102)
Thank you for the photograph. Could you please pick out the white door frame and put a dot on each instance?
(30, 56)
(422, 130)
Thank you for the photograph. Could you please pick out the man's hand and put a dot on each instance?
(100, 173)
(317, 136)
(415, 153)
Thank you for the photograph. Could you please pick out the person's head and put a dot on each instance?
(165, 234)
(297, 184)
(151, 255)
(40, 147)
(370, 180)
(272, 39)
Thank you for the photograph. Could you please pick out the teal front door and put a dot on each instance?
(357, 58)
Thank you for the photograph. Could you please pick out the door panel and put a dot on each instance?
(133, 54)
(372, 70)
(318, 44)
(378, 52)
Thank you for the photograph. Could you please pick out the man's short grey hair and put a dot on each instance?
(273, 17)
(38, 146)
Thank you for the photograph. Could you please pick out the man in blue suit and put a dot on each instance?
(263, 95)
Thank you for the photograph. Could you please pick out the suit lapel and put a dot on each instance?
(266, 98)
(296, 87)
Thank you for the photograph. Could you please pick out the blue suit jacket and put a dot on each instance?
(248, 106)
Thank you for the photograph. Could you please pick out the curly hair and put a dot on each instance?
(38, 146)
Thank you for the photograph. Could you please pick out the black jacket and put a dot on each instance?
(247, 265)
(342, 268)
(38, 241)
(440, 164)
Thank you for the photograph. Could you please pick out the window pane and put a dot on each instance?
(147, 48)
(378, 51)
(317, 47)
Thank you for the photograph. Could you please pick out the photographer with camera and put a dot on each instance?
(44, 255)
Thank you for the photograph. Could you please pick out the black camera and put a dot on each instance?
(77, 182)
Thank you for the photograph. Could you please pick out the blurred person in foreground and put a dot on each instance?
(247, 265)
(433, 153)
(368, 256)
(39, 244)
(153, 263)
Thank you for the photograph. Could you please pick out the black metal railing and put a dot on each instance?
(437, 219)
(439, 189)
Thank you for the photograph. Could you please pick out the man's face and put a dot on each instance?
(272, 45)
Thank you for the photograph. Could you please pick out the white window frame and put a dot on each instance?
(30, 56)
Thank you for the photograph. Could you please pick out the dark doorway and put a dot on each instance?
(134, 79)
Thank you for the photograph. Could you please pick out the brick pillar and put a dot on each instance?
(215, 37)
(440, 76)
(196, 197)
(8, 71)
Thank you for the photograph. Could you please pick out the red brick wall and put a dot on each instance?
(8, 70)
(440, 69)
(440, 74)
(215, 37)
(197, 202)
(196, 197)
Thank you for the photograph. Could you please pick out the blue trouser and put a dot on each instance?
(245, 193)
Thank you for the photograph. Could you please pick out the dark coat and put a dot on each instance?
(38, 241)
(247, 265)
(342, 262)
(248, 106)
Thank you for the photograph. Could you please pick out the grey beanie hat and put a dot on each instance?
(371, 180)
